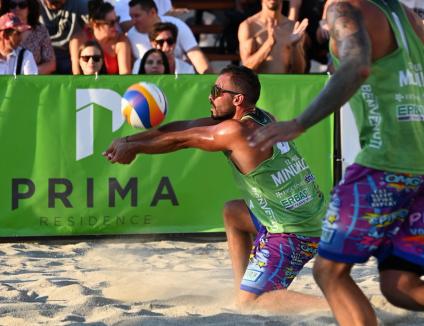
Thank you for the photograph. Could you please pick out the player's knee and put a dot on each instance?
(246, 300)
(325, 270)
(228, 212)
(402, 291)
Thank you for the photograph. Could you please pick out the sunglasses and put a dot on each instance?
(110, 23)
(86, 58)
(20, 5)
(217, 91)
(161, 42)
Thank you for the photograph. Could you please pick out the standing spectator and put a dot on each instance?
(144, 16)
(164, 37)
(14, 60)
(91, 58)
(154, 61)
(37, 38)
(270, 42)
(115, 45)
(65, 21)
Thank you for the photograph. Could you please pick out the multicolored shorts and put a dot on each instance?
(375, 213)
(276, 259)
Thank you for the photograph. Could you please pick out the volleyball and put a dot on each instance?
(144, 105)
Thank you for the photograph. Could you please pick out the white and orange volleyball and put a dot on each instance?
(144, 105)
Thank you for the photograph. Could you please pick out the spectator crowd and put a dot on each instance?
(150, 36)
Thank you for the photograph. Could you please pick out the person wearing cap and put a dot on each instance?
(14, 60)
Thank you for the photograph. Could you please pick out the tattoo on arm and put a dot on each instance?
(347, 30)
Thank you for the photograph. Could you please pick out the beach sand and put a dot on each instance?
(134, 281)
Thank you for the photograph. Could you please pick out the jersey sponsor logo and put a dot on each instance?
(327, 235)
(283, 147)
(374, 116)
(410, 112)
(297, 200)
(289, 172)
(414, 76)
(252, 275)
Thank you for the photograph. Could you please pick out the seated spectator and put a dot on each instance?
(144, 16)
(164, 37)
(154, 61)
(36, 39)
(91, 58)
(122, 10)
(270, 42)
(115, 46)
(65, 20)
(14, 60)
(416, 5)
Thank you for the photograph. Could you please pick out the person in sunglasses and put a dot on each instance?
(281, 204)
(65, 20)
(164, 37)
(115, 45)
(37, 38)
(144, 15)
(91, 58)
(14, 60)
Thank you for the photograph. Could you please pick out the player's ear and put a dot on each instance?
(238, 99)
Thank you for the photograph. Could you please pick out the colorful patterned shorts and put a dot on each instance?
(375, 213)
(276, 259)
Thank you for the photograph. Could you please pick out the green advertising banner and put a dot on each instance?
(54, 180)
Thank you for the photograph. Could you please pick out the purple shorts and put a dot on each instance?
(375, 213)
(276, 259)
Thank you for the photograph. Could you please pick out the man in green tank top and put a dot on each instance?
(281, 203)
(378, 208)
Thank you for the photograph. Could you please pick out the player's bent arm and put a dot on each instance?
(352, 44)
(250, 57)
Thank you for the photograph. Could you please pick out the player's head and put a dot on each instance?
(236, 86)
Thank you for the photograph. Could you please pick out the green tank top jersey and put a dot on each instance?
(389, 106)
(281, 191)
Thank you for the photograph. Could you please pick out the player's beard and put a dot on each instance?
(226, 116)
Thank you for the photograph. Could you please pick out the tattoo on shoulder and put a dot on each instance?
(347, 28)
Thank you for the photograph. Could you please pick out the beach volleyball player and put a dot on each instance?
(378, 209)
(285, 205)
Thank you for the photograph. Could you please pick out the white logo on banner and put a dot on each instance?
(106, 99)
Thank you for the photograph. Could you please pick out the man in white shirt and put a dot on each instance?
(164, 37)
(12, 60)
(144, 16)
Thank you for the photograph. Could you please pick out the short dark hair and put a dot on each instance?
(160, 27)
(146, 5)
(165, 61)
(98, 9)
(246, 81)
(33, 11)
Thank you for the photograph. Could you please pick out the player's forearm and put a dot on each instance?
(341, 87)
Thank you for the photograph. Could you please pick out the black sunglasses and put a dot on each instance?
(217, 91)
(162, 41)
(21, 4)
(86, 58)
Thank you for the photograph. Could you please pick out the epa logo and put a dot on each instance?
(85, 100)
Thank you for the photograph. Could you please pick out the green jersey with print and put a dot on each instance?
(389, 107)
(281, 191)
